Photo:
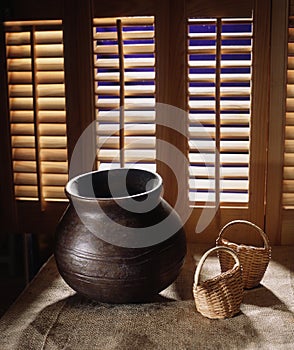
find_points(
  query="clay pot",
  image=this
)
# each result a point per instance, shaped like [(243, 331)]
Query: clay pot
[(119, 241)]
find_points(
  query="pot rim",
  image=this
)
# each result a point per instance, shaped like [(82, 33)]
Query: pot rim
[(69, 192)]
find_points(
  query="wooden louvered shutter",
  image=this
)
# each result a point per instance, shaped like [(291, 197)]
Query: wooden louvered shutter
[(35, 68), (124, 61), (288, 181), (220, 64), (286, 224), (228, 87)]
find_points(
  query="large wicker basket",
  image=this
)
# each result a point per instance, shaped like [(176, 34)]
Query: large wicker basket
[(254, 260), (220, 296)]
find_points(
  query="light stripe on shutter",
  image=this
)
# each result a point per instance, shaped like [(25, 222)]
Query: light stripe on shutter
[(128, 80), (288, 180), (219, 72), (35, 69)]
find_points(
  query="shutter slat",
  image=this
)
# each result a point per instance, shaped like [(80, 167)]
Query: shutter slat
[(54, 167), (54, 192), (225, 159), (225, 49), (226, 172), (55, 50), (26, 192), (16, 38), (52, 116), (54, 103), (130, 155), (24, 166), (112, 103), (206, 184), (129, 90), (288, 173), (288, 186), (135, 129), (20, 51), (226, 133), (126, 21), (50, 77), (288, 199), (289, 159), (23, 154), (145, 62), (19, 77), (228, 198), (25, 179), (136, 117), (45, 154), (19, 64), (49, 37), (50, 64)]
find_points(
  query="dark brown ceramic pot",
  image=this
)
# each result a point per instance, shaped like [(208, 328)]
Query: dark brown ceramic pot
[(118, 240)]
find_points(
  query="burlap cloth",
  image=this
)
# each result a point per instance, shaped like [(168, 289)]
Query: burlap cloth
[(50, 315)]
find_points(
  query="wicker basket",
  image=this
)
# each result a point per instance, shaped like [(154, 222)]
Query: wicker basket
[(220, 296), (254, 260)]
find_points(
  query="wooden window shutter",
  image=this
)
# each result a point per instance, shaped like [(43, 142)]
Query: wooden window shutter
[(288, 179), (220, 60), (228, 88), (124, 61), (35, 68)]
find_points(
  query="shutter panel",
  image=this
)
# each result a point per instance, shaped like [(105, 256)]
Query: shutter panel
[(35, 69), (124, 61), (288, 181), (219, 83)]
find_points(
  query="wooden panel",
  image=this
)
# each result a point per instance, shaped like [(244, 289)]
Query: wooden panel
[(79, 77), (210, 234), (118, 8), (32, 220), (276, 120), (260, 111), (171, 89), (225, 8), (287, 235), (34, 9)]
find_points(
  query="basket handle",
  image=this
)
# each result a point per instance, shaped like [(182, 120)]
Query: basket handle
[(263, 235), (205, 255)]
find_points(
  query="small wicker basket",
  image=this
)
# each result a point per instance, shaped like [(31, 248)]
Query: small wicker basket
[(254, 260), (220, 296)]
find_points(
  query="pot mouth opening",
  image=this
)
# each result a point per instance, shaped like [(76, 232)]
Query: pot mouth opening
[(114, 184)]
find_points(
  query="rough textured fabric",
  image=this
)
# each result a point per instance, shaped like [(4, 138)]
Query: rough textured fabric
[(50, 315)]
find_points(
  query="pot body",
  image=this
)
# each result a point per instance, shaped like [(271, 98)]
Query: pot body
[(109, 253)]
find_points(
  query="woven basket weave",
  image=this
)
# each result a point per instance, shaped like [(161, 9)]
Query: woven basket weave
[(221, 296), (254, 260)]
